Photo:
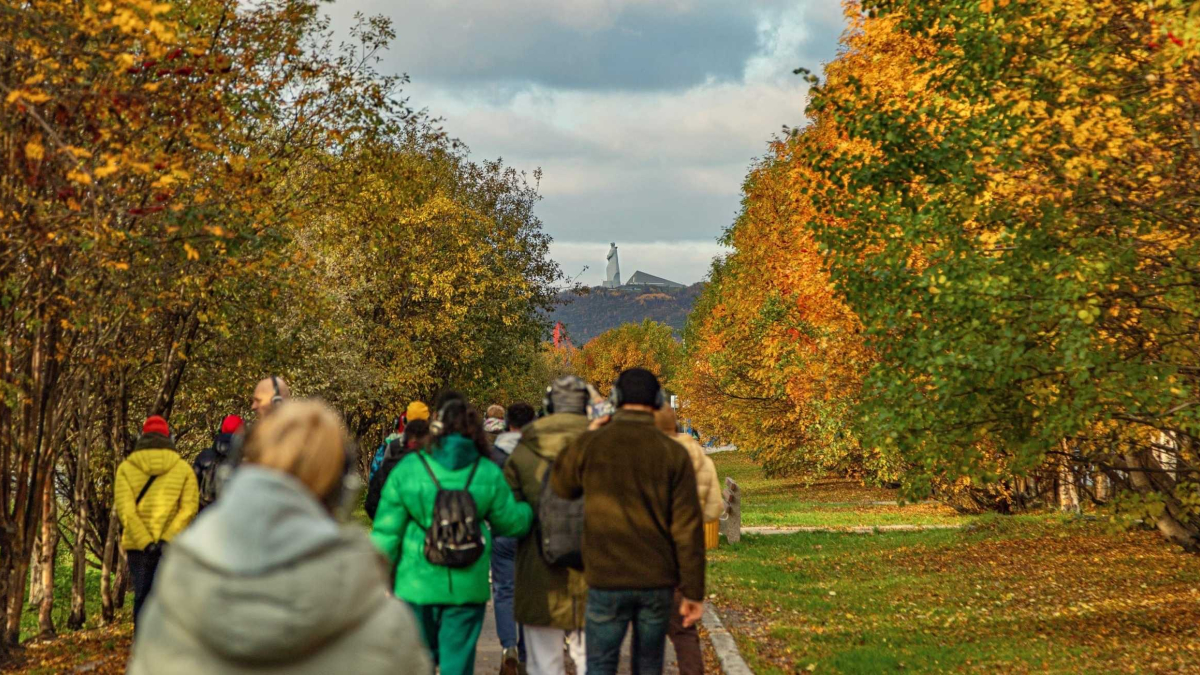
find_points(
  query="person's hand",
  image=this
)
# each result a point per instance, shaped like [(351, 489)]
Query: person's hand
[(691, 611), (599, 422)]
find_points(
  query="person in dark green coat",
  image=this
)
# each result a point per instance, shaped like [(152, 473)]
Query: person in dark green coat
[(550, 601), (449, 603)]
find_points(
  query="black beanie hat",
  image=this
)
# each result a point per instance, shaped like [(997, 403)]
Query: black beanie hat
[(638, 387)]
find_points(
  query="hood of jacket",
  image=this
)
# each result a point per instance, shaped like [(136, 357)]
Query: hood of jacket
[(153, 455), (553, 433), (223, 443), (507, 441), (266, 575), (454, 452)]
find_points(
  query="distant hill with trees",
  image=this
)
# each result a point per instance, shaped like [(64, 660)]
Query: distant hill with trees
[(595, 310)]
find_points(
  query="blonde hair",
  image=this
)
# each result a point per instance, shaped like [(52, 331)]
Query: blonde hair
[(664, 419), (305, 439)]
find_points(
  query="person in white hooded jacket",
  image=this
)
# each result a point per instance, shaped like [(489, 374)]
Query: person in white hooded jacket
[(268, 581)]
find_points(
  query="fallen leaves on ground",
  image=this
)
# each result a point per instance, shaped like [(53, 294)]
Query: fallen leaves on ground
[(102, 651), (1014, 595)]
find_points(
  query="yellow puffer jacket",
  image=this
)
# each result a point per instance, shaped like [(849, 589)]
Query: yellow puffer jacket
[(170, 503)]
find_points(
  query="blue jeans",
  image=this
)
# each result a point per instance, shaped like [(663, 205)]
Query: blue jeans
[(504, 582), (609, 613)]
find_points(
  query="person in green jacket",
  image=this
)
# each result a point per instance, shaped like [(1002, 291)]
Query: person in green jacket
[(449, 602)]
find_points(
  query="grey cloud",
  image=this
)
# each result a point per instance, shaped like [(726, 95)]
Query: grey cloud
[(642, 46), (657, 209), (643, 114)]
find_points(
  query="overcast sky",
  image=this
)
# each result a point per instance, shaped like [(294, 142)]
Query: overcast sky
[(643, 114)]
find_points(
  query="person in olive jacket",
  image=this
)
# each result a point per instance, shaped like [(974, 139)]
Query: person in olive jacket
[(449, 602), (550, 601)]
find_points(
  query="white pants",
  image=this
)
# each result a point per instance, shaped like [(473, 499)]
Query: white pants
[(544, 650)]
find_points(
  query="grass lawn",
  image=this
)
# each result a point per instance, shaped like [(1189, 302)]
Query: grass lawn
[(830, 502), (1026, 594), (62, 596)]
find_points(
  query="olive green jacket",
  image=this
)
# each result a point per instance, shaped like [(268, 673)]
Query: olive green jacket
[(546, 596)]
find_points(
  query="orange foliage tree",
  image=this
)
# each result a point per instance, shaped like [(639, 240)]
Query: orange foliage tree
[(1001, 194), (650, 345)]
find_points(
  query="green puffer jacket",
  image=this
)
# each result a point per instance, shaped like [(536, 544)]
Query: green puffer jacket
[(406, 508), (546, 596)]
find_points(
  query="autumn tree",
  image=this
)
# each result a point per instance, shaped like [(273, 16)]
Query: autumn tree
[(172, 173), (648, 345), (1018, 235), (774, 356)]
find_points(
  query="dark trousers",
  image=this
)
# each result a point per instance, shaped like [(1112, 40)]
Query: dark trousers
[(686, 641), (609, 613), (142, 567), (504, 581)]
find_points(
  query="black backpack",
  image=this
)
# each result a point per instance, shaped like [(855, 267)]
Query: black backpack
[(560, 526), (212, 469), (393, 454), (454, 538)]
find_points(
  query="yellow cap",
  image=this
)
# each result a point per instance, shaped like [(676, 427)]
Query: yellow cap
[(417, 411)]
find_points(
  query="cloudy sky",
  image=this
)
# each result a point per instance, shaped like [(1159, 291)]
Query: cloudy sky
[(643, 114)]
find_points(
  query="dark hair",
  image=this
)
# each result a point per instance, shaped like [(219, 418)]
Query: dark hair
[(446, 396), (519, 414), (459, 417), (416, 429), (639, 387)]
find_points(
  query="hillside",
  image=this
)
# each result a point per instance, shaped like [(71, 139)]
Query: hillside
[(598, 309)]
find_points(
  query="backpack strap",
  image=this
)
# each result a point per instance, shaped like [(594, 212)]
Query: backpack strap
[(471, 476), (428, 470), (145, 488)]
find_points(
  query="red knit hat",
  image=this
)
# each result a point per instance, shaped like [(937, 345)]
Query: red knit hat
[(156, 425), (231, 424)]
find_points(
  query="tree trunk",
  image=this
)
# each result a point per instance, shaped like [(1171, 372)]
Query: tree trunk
[(79, 554), (16, 601), (1173, 523), (35, 574), (1103, 486), (46, 563), (108, 565), (122, 581), (1068, 496)]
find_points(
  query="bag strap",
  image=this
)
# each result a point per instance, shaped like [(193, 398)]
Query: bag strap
[(471, 476), (428, 470), (145, 488)]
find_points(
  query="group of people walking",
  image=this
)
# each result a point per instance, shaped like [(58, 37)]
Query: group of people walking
[(580, 523)]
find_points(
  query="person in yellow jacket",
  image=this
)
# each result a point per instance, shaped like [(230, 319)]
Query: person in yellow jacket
[(156, 496)]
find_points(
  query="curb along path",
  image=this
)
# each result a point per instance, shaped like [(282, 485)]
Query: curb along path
[(724, 644)]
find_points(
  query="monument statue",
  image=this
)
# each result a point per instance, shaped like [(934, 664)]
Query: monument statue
[(613, 276)]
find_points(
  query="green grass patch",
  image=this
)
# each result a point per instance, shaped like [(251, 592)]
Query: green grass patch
[(829, 502), (1037, 593), (63, 570)]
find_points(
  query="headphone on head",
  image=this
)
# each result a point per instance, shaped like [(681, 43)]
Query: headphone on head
[(342, 499), (278, 397), (617, 397), (436, 426)]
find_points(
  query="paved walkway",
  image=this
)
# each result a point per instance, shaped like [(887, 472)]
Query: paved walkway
[(488, 653)]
